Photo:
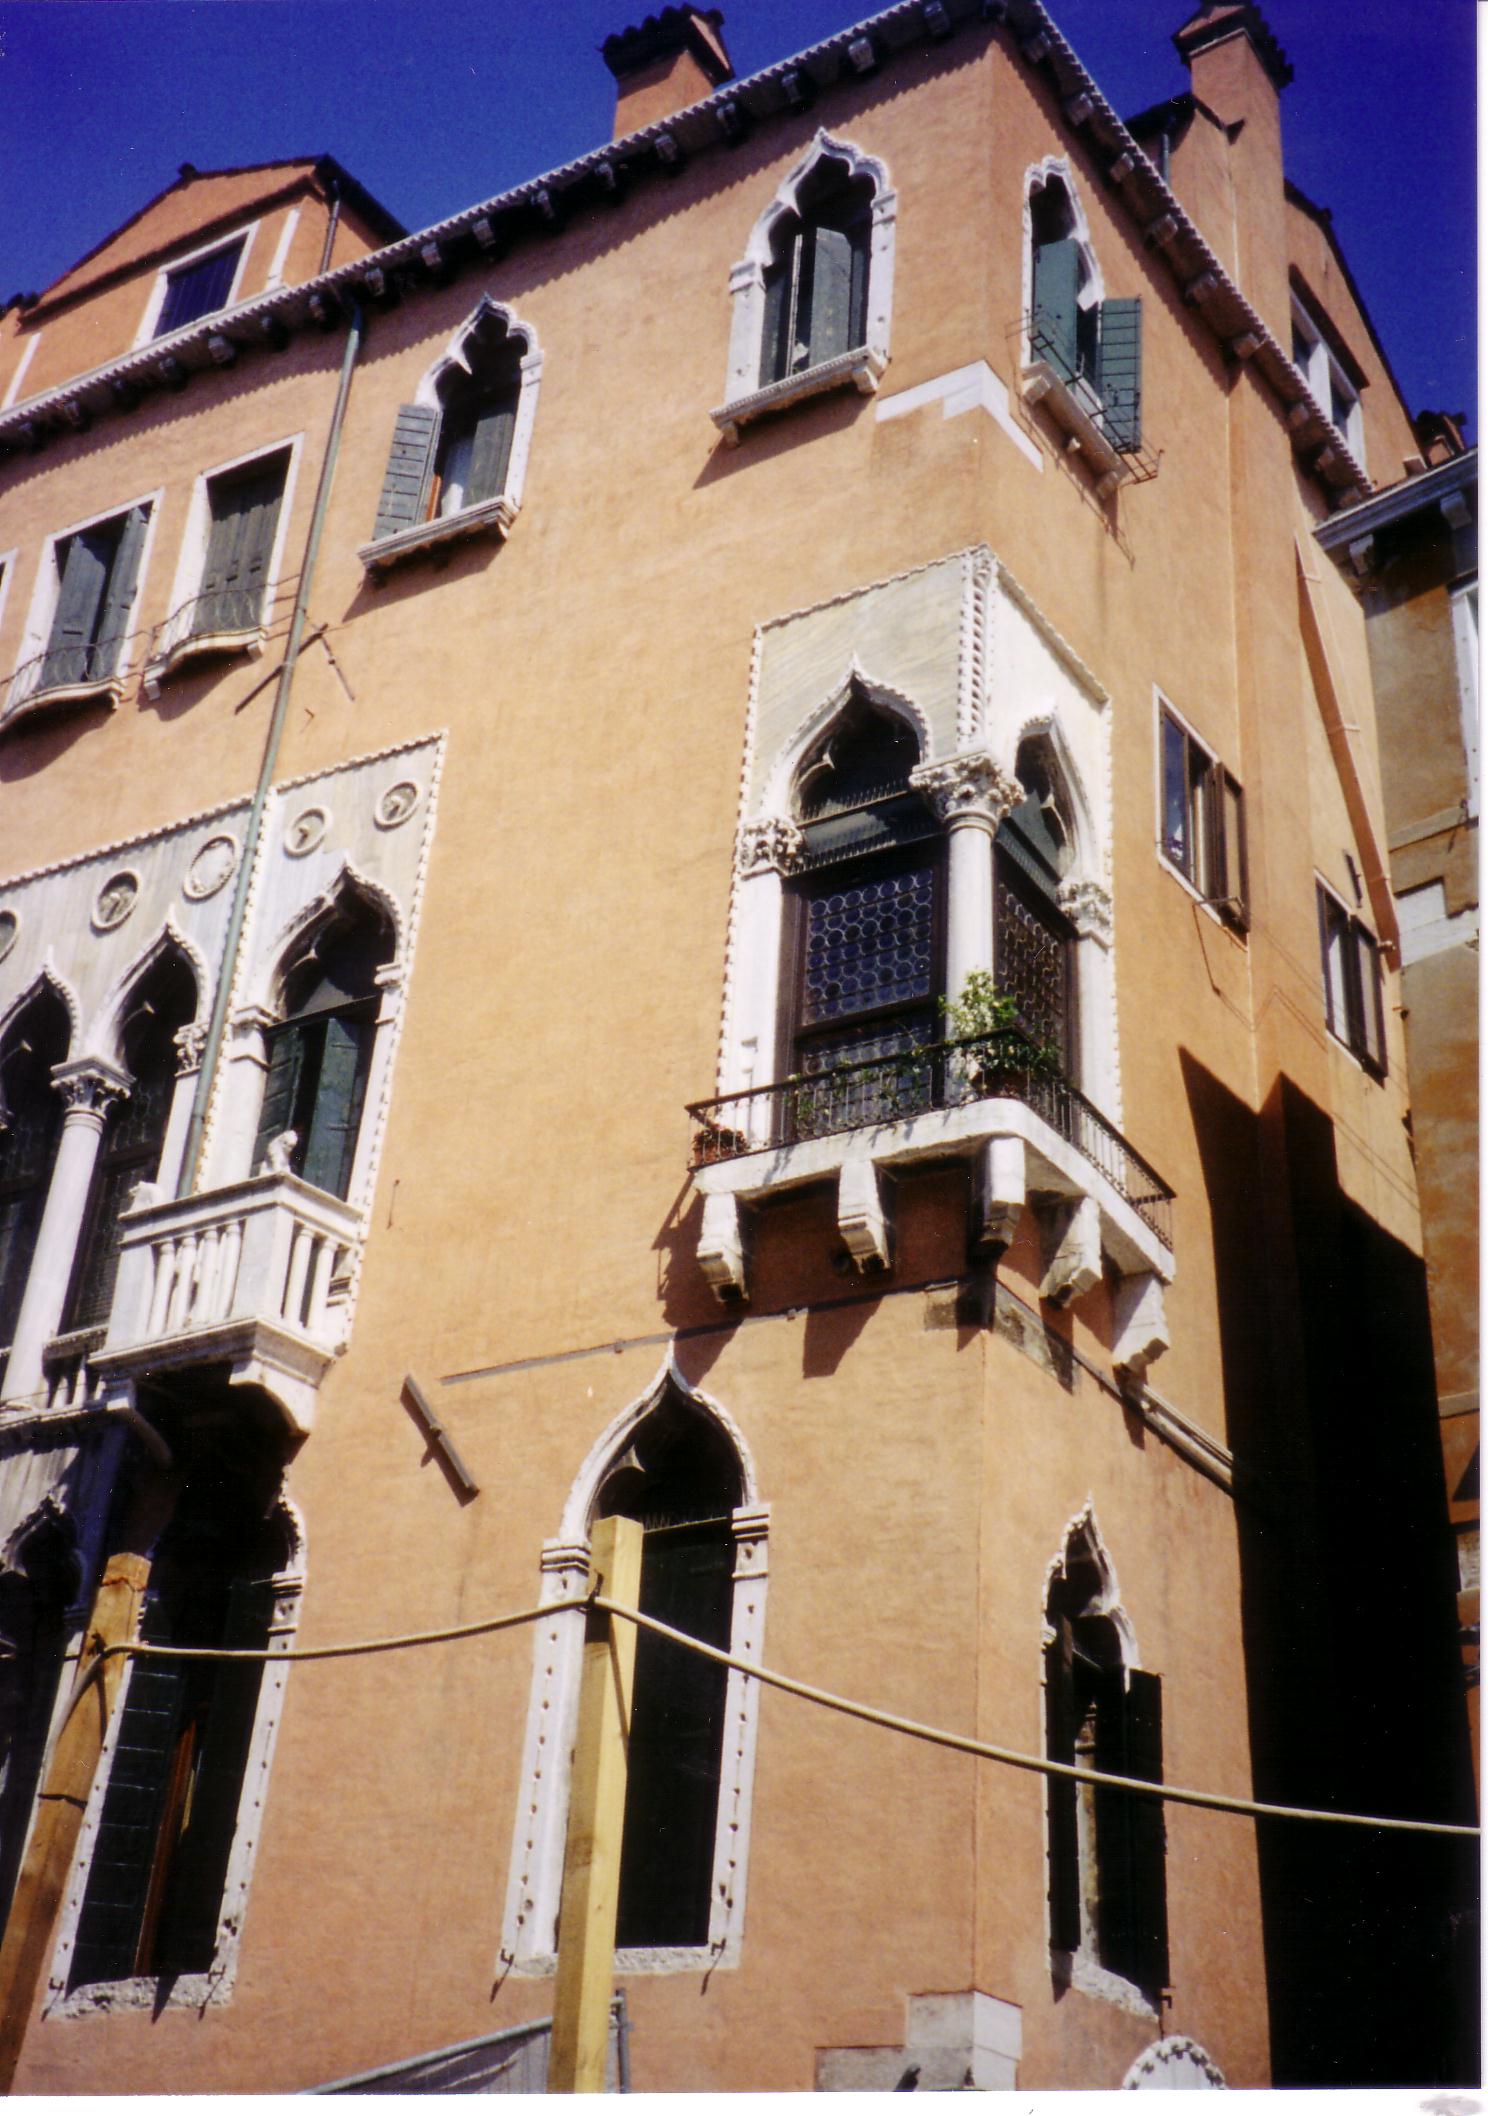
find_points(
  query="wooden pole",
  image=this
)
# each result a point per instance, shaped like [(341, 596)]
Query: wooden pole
[(61, 1805), (596, 1816)]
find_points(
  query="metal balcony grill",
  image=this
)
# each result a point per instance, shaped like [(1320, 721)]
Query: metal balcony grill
[(892, 1089)]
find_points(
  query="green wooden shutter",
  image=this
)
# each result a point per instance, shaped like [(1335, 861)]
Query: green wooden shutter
[(1059, 1740), (1147, 1834), (490, 449), (118, 601), (828, 330), (1119, 379), (124, 1850), (774, 350), (404, 498), (281, 1088), (245, 515), (337, 1114), (85, 572), (1056, 308)]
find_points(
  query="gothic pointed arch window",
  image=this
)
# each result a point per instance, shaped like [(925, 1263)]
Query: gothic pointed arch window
[(320, 1054), (865, 917), (1090, 344), (30, 1123), (816, 283), (1034, 946), (679, 1478), (162, 1871), (459, 449), (134, 1132), (1108, 1920)]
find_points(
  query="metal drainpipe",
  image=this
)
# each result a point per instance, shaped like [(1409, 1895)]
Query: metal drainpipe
[(331, 226), (186, 1185)]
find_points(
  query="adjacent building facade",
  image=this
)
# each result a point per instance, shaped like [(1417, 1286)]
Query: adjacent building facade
[(710, 843)]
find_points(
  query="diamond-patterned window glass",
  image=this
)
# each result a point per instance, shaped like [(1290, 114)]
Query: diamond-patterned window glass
[(869, 944), (1032, 949)]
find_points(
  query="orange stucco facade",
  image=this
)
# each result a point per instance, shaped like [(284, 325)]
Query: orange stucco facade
[(929, 1429)]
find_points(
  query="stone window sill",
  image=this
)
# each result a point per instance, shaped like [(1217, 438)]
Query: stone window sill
[(200, 646), (1075, 408), (488, 518), (109, 688), (859, 369)]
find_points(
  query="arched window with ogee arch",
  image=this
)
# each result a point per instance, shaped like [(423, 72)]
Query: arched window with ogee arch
[(30, 1124), (816, 284), (679, 1478), (320, 1054), (865, 919), (134, 1132)]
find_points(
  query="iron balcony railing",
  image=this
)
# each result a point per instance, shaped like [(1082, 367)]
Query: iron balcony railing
[(924, 1077)]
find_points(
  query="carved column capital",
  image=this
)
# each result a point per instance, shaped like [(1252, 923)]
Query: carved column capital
[(91, 1085), (775, 842), (969, 788), (1087, 906), (191, 1042)]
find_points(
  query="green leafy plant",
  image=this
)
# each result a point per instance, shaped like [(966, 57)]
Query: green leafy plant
[(981, 1015)]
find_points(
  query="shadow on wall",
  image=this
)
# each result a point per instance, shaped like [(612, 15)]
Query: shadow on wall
[(1355, 1692)]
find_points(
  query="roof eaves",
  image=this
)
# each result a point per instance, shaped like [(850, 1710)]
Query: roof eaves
[(1427, 489)]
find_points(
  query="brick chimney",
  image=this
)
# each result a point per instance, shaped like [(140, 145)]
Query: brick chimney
[(1238, 71), (671, 59)]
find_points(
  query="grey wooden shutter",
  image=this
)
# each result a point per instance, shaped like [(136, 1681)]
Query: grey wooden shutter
[(404, 498), (828, 331), (85, 571), (337, 1114), (774, 346), (281, 1088), (1119, 381), (1059, 1740), (245, 515), (124, 1851), (118, 601), (1115, 1824), (1147, 1836), (490, 449), (1056, 307), (1371, 1000)]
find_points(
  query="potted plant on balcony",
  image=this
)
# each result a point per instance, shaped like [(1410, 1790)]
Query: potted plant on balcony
[(984, 1023)]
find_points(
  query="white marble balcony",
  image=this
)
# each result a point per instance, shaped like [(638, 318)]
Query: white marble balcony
[(254, 1276)]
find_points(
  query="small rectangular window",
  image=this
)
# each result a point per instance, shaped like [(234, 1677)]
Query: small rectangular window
[(1353, 988), (199, 288), (1203, 823)]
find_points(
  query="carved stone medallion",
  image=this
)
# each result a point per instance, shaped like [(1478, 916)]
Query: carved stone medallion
[(396, 804), (115, 900), (211, 865), (306, 832), (10, 926)]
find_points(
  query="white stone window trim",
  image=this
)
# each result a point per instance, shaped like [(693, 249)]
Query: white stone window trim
[(25, 692), (745, 396), (1164, 708), (1335, 1042), (155, 302), (1464, 601), (1093, 288), (28, 354), (1179, 2056), (500, 511), (535, 1880), (280, 257), (1079, 1969), (174, 642), (214, 1986), (1326, 377)]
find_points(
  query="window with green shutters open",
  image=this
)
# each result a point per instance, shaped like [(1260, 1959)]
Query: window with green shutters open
[(1087, 346), (82, 617), (459, 449), (320, 1055), (244, 508), (1108, 1918)]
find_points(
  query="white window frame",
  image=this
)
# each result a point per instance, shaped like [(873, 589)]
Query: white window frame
[(28, 354), (1093, 290), (499, 510), (1464, 600), (45, 591), (1380, 1074), (214, 1986), (173, 643), (145, 335), (746, 397), (535, 1879), (1324, 375)]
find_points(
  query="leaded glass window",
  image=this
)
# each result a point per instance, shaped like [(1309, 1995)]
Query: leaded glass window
[(30, 1121)]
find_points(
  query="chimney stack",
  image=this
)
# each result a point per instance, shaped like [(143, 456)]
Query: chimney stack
[(1228, 49), (1238, 71), (670, 60)]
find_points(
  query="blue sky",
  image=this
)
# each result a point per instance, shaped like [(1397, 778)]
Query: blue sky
[(436, 103)]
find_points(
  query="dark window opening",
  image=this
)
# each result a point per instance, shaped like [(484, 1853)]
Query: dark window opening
[(97, 570), (1096, 344), (1353, 987), (477, 422), (1107, 1848), (134, 1134), (153, 1898), (30, 1124), (199, 288), (244, 507), (38, 1584), (1203, 823), (816, 285), (320, 1055), (680, 1478), (1033, 941)]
